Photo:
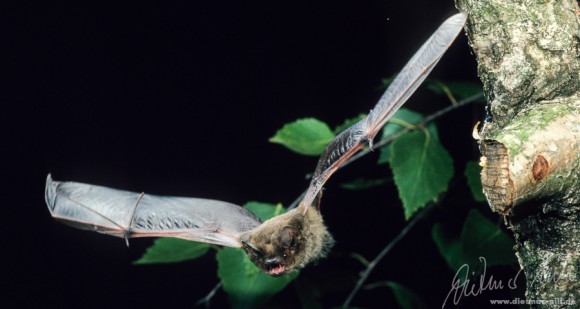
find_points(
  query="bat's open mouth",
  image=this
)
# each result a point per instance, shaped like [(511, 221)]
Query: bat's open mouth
[(277, 270)]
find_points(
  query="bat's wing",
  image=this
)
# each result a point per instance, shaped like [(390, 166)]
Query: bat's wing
[(128, 214), (411, 76)]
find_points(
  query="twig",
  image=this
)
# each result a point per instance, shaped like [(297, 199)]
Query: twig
[(391, 138), (425, 121), (205, 300), (364, 275), (297, 200)]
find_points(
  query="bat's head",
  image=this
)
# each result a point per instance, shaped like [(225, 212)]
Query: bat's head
[(288, 242)]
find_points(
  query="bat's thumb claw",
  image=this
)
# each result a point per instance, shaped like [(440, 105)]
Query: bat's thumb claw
[(369, 142)]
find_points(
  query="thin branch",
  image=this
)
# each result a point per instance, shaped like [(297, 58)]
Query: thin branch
[(364, 275), (425, 121), (391, 138), (205, 300), (297, 200)]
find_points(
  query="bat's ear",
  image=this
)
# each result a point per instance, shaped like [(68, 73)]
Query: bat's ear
[(246, 245), (287, 237), (252, 251)]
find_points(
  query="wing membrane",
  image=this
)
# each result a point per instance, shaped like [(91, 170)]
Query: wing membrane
[(129, 214), (411, 76)]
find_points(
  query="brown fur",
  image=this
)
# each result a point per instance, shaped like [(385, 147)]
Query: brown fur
[(289, 241)]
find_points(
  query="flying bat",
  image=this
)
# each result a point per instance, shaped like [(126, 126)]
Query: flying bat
[(280, 245)]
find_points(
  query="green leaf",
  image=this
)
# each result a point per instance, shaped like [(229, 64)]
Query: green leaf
[(348, 123), (449, 247), (395, 125), (473, 174), (422, 169), (307, 136), (481, 237), (245, 284), (406, 298), (363, 183), (172, 250), (461, 90), (264, 211)]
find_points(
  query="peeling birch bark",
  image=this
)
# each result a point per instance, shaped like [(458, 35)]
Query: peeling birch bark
[(531, 157), (528, 55)]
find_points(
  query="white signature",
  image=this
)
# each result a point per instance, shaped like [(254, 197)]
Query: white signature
[(462, 286), (468, 288)]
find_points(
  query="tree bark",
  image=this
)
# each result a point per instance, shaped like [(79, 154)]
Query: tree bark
[(528, 55)]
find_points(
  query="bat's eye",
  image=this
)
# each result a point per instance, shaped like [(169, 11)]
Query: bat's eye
[(284, 255)]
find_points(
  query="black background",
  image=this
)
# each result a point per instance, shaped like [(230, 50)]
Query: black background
[(180, 98)]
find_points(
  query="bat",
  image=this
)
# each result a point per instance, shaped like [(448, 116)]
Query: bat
[(277, 246)]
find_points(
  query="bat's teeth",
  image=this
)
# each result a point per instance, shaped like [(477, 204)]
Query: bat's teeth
[(277, 270)]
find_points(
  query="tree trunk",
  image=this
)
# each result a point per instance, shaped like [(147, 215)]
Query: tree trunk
[(528, 55)]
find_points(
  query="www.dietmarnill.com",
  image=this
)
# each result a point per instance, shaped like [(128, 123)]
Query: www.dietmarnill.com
[(518, 301)]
